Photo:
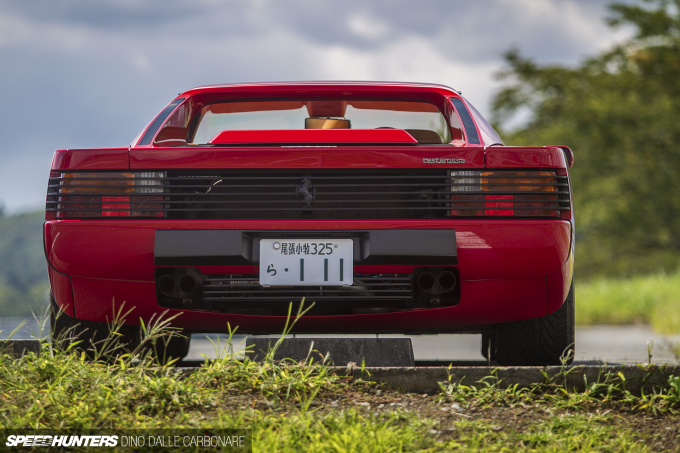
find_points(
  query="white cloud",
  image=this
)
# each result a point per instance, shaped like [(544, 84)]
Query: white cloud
[(412, 59), (566, 17), (366, 26)]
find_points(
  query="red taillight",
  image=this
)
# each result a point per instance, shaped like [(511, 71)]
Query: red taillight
[(122, 206), (533, 193), (536, 201), (498, 204), (109, 209), (105, 194), (79, 206), (562, 172), (50, 212)]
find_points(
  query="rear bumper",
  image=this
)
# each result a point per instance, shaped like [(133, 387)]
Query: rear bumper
[(509, 269), (242, 247)]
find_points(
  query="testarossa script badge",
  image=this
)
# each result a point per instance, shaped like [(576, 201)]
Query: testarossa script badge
[(443, 161)]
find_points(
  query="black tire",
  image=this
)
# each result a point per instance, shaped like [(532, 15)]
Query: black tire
[(175, 347), (66, 330), (544, 341)]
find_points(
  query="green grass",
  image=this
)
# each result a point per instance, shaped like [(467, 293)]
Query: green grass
[(288, 407), (653, 299), (291, 407)]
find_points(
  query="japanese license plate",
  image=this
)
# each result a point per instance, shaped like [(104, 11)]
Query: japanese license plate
[(306, 262)]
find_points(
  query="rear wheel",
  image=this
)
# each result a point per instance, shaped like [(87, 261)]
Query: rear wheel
[(92, 336), (548, 340), (170, 348)]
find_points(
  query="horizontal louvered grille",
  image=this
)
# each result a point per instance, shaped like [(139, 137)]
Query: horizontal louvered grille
[(226, 292), (343, 194), (298, 194), (517, 193)]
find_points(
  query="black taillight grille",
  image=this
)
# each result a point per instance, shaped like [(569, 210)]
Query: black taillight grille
[(106, 194), (509, 193), (284, 194), (310, 194)]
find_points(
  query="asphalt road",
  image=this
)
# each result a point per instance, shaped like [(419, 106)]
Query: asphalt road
[(611, 344)]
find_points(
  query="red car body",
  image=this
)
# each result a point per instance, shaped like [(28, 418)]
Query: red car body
[(507, 267)]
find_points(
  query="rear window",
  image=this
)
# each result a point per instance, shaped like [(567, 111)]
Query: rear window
[(423, 120)]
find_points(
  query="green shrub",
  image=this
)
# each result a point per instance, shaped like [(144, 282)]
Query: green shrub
[(653, 299)]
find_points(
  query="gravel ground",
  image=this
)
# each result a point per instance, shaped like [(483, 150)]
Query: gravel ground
[(659, 433)]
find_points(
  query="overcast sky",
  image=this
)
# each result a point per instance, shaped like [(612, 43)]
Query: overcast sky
[(83, 73)]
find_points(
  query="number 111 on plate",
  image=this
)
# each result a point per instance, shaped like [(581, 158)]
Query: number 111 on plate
[(306, 262)]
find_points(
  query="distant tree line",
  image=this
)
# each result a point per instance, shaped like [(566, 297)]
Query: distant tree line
[(23, 272), (620, 113)]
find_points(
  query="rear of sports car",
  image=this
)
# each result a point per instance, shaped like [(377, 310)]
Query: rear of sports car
[(393, 208)]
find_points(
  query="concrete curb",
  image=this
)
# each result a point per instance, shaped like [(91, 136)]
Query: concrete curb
[(577, 378), (426, 379), (19, 348), (634, 378), (374, 352)]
